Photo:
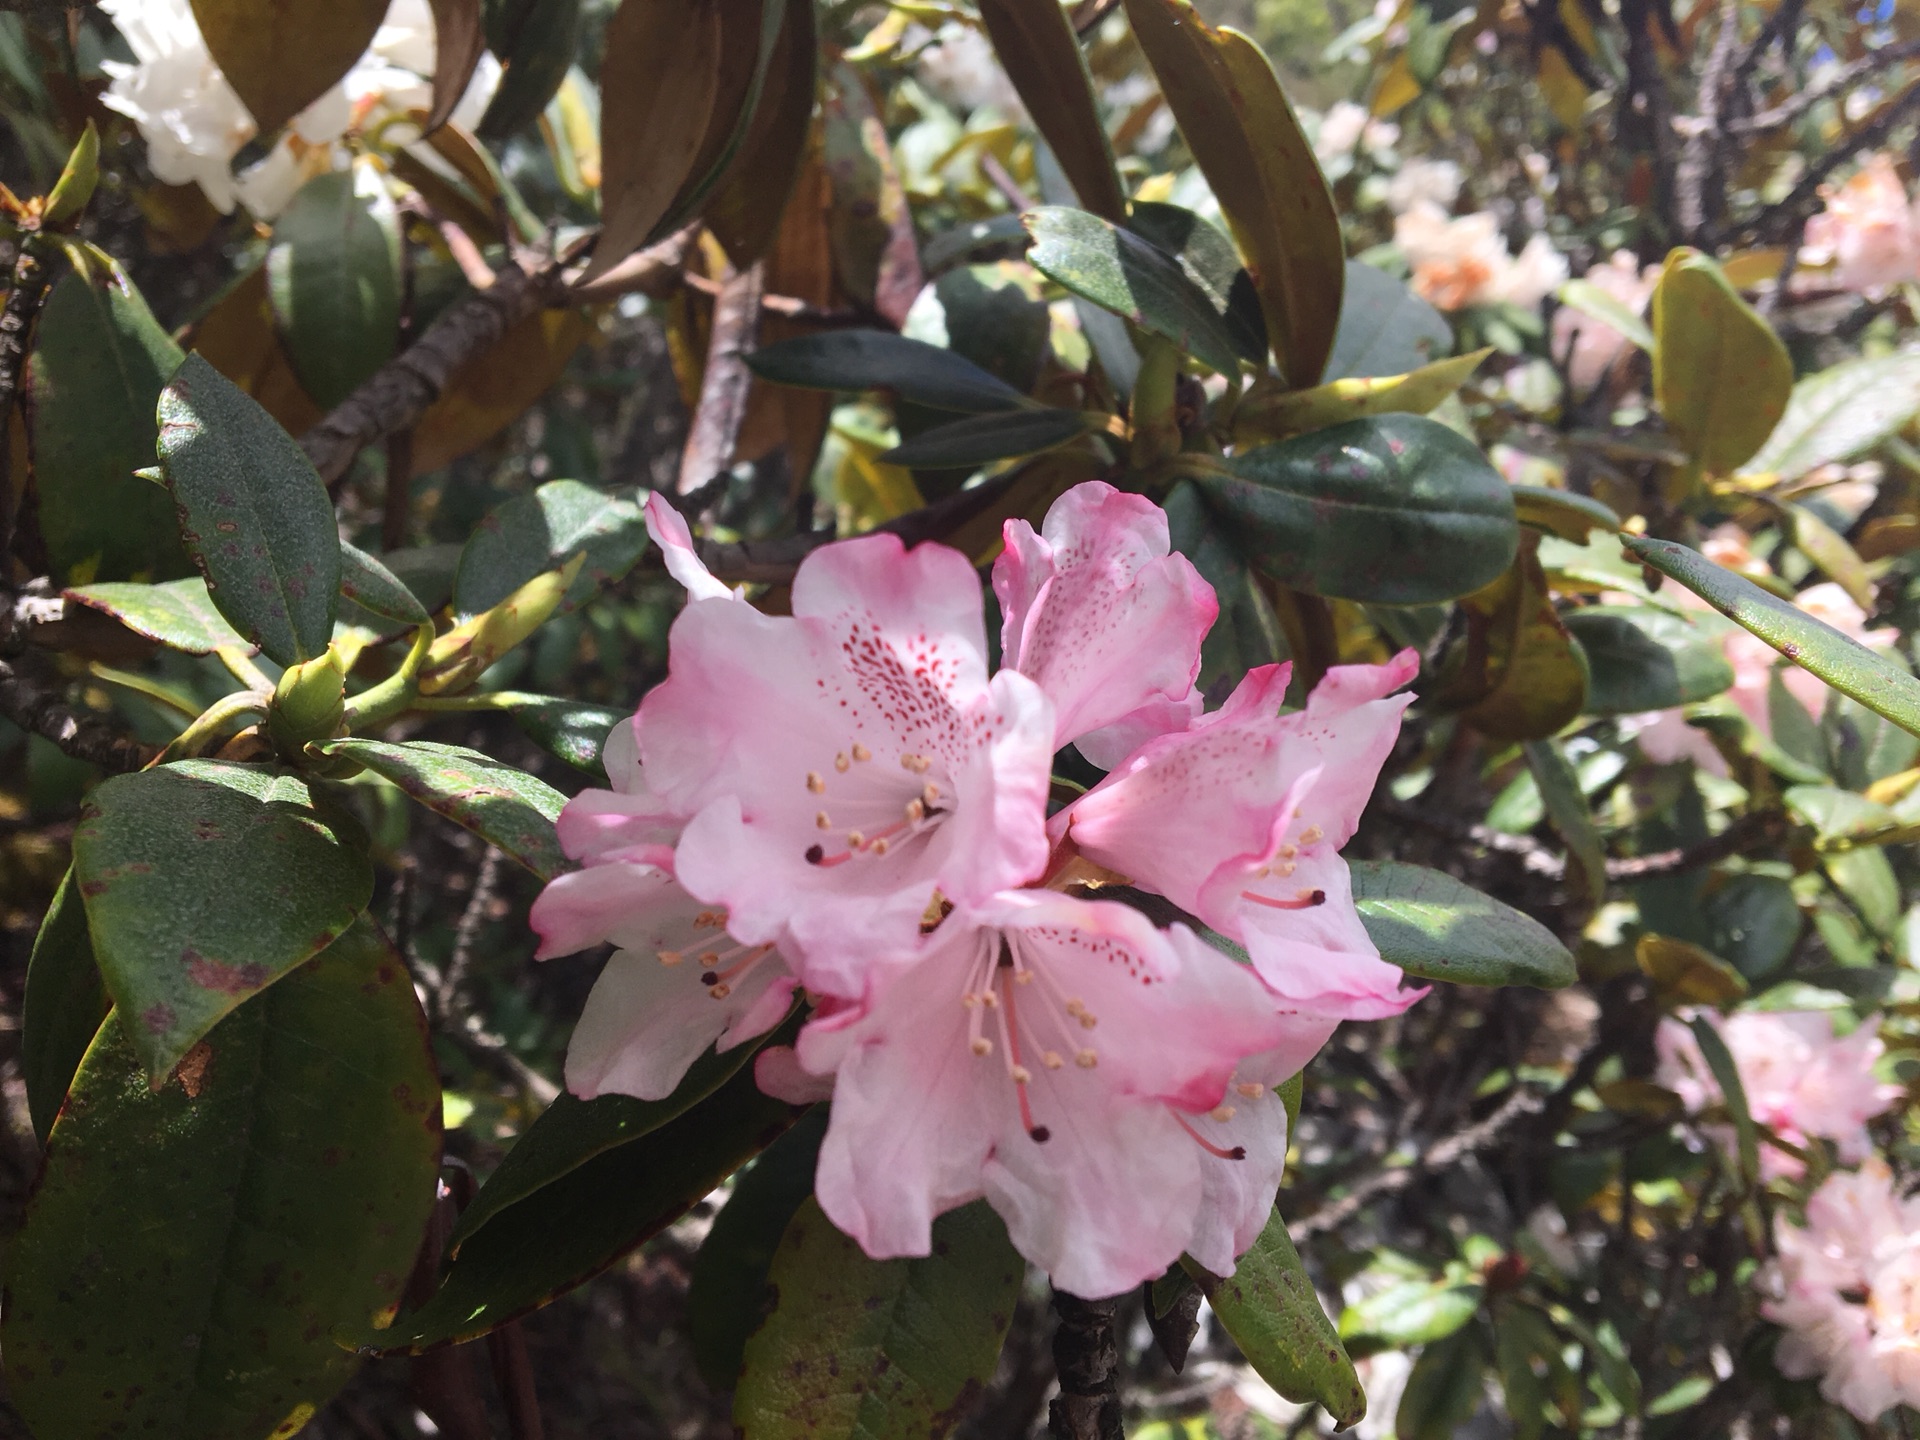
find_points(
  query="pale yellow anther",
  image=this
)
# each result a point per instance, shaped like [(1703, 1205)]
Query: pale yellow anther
[(969, 1000), (709, 959), (1311, 835), (860, 752), (989, 999), (720, 991), (1285, 868), (1021, 1075), (1287, 852), (1306, 894), (916, 811), (1086, 1059), (1052, 1060), (1250, 1091), (982, 1045), (856, 838), (840, 763), (906, 760), (1087, 1022), (816, 782), (1222, 1113), (880, 846), (670, 957), (822, 821), (1076, 1008), (930, 794), (1023, 977)]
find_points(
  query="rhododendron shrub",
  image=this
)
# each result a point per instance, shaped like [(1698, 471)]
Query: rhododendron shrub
[(824, 722)]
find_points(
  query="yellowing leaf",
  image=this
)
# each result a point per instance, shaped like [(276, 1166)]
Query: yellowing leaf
[(1566, 95), (1720, 375), (1684, 974), (1249, 145), (490, 391), (1398, 88), (1271, 411), (1042, 57)]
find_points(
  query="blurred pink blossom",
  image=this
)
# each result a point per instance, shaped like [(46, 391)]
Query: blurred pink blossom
[(1869, 234), (1592, 345), (1461, 261)]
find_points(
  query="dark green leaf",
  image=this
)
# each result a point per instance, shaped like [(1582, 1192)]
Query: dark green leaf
[(253, 512), (571, 730), (1038, 49), (1837, 413), (565, 1233), (879, 360), (980, 439), (1566, 807), (1247, 632), (1640, 658), (99, 362), (333, 275), (542, 531), (1394, 509), (1269, 1308), (994, 315), (205, 882), (1414, 1312), (1727, 1076), (728, 1297), (572, 1132), (1561, 512), (1756, 922), (1128, 275), (368, 583), (1431, 925), (536, 41), (1207, 258), (65, 1002), (1841, 661), (178, 614), (503, 806), (1385, 329), (1446, 1386), (190, 1248), (860, 1349)]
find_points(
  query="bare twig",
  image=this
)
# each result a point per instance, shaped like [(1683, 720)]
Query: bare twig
[(1845, 78), (723, 387), (1086, 1353), (1780, 217), (38, 709), (513, 1373), (452, 992), (26, 292), (1696, 177), (396, 512)]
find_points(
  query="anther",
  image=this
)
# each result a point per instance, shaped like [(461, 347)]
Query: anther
[(982, 1045), (969, 1000), (916, 811), (709, 957), (1287, 852), (1023, 977), (840, 762), (1087, 1022), (1051, 1059), (670, 957), (989, 999), (879, 847), (1311, 835), (1222, 1113), (860, 752), (816, 782), (930, 794), (1249, 1090), (721, 990), (1021, 1075), (822, 821), (1086, 1060), (856, 838), (1041, 1134)]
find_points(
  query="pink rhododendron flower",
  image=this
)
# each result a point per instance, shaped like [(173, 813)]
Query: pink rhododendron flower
[(1062, 1058), (1239, 820), (669, 531), (1868, 233), (841, 765), (1847, 1289), (1592, 346), (1462, 261), (1097, 612), (1802, 1082), (1755, 662)]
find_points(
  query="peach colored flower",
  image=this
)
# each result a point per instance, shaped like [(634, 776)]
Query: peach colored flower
[(1461, 261), (1869, 234)]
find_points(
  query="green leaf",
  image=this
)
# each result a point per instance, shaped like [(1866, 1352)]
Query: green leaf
[(189, 1249), (1037, 48), (1396, 509), (1640, 659), (565, 1233), (1433, 926), (856, 360), (253, 512), (1268, 1306), (1841, 661), (1207, 258), (542, 531), (1122, 272), (536, 41), (1414, 1312), (204, 883), (728, 1296), (1561, 512), (1589, 299), (572, 1132), (860, 1349), (980, 439), (1385, 329), (1756, 922), (178, 614), (78, 177), (572, 730), (64, 1003), (1247, 632), (503, 806), (99, 362), (1720, 375), (280, 60), (1567, 808), (368, 583), (1840, 412), (1727, 1076), (333, 276), (1447, 1385)]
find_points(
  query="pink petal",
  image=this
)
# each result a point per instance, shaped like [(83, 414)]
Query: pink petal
[(1096, 609), (585, 907), (1108, 747), (669, 531), (779, 1073), (596, 824)]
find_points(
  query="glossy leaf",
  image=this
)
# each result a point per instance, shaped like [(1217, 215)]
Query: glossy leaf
[(333, 274), (727, 1295), (1841, 661), (980, 439), (859, 1349), (1434, 927), (274, 1187), (1207, 258), (658, 84), (1720, 375), (1268, 1306), (1566, 806), (459, 40), (280, 59), (1259, 163), (1447, 1384), (1840, 412), (1385, 329), (566, 1232), (368, 583), (1270, 409), (1733, 1094), (536, 41), (1247, 632), (1412, 1312), (1128, 275), (543, 530), (855, 360), (205, 882), (178, 614), (572, 730), (1037, 48), (1561, 512), (1640, 659), (1398, 510), (99, 362), (745, 210), (254, 514), (1590, 300), (503, 806), (64, 1003)]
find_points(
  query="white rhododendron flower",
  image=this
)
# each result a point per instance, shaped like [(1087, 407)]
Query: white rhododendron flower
[(1463, 260)]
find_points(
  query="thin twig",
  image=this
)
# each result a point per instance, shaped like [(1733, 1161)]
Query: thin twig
[(452, 992), (1776, 219), (396, 514), (734, 334), (1696, 177), (26, 293), (513, 1373), (1086, 1354), (1845, 78), (38, 708)]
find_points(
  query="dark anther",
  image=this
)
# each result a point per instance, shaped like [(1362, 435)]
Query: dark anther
[(709, 977), (1239, 1152), (1041, 1134), (815, 854)]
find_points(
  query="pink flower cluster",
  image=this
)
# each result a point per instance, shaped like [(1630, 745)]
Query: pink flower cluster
[(843, 802), (1847, 1289), (1801, 1080), (1868, 233)]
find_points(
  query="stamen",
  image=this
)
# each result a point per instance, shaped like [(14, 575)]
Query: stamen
[(1051, 1059), (1238, 1152), (918, 764), (1022, 1075), (709, 958), (1311, 835), (721, 990), (1306, 900), (1087, 1060), (916, 811), (816, 782), (840, 762), (1249, 1090), (860, 752), (930, 794), (879, 847), (982, 1045), (822, 821), (670, 957), (1010, 1032), (1287, 852), (1222, 1113), (1023, 977)]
